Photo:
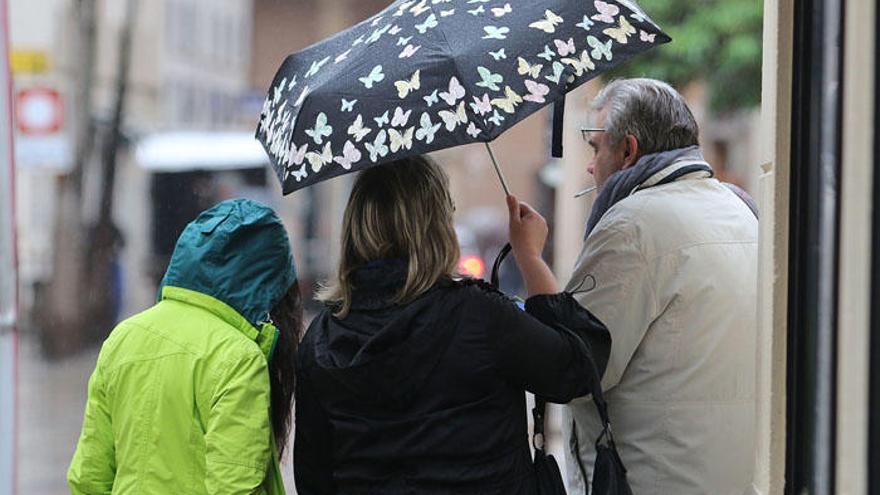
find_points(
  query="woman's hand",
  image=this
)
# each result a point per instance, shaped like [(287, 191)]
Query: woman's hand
[(528, 230), (528, 234)]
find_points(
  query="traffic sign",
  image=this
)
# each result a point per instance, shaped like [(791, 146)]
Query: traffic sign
[(39, 111)]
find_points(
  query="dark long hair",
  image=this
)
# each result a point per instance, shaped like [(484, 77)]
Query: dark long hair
[(287, 316)]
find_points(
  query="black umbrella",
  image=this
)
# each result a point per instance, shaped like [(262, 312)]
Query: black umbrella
[(425, 75)]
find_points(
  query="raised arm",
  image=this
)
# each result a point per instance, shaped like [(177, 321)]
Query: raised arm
[(558, 350)]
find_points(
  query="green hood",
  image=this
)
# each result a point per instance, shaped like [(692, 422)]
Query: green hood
[(236, 252)]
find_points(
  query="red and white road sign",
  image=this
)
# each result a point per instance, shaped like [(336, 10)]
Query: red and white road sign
[(39, 111)]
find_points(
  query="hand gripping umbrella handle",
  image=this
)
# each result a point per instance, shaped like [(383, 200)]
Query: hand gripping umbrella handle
[(498, 171)]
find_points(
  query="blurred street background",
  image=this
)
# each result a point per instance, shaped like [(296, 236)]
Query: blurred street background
[(131, 116)]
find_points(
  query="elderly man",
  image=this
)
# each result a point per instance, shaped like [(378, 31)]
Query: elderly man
[(669, 266)]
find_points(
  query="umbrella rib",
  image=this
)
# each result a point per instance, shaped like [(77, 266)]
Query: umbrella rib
[(458, 73)]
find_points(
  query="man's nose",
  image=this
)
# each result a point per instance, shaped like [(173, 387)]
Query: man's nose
[(590, 170)]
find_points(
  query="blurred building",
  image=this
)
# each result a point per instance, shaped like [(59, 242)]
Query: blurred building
[(190, 66)]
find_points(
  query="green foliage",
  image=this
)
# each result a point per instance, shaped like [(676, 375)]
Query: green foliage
[(718, 41)]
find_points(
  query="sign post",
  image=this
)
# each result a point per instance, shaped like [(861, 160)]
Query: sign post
[(8, 263)]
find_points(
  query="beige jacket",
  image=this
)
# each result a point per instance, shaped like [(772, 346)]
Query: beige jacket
[(672, 272)]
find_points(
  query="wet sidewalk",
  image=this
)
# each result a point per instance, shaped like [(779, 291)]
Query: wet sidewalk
[(51, 399)]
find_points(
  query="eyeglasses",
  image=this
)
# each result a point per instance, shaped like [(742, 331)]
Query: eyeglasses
[(585, 131)]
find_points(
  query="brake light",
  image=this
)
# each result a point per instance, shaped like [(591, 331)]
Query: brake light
[(472, 266)]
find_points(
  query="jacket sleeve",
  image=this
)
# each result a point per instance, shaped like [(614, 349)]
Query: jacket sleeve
[(312, 455), (238, 432), (556, 351), (613, 281), (93, 468)]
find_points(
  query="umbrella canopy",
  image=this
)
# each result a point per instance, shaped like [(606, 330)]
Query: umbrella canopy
[(425, 75)]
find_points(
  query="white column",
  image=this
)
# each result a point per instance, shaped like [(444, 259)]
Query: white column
[(773, 251), (571, 214), (855, 248), (8, 271)]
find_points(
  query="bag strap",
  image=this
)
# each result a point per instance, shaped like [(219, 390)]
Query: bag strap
[(539, 411), (496, 266)]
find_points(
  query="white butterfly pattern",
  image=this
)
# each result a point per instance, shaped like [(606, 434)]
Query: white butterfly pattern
[(350, 156), (481, 106), (556, 77), (378, 148), (473, 131), (405, 87), (400, 117), (342, 56), (318, 160), (549, 23), (430, 23), (420, 8), (547, 54), (606, 13), (432, 98), (499, 55), (537, 91), (321, 130), (496, 33), (496, 119), (455, 93), (409, 51), (357, 129), (401, 140), (383, 119), (427, 130), (502, 11), (580, 65), (600, 49), (348, 106), (316, 66), (375, 76), (454, 119), (586, 24), (298, 155), (565, 48)]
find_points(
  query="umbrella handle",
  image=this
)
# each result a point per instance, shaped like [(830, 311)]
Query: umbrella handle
[(498, 171)]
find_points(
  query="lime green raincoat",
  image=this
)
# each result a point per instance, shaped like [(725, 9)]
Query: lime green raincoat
[(179, 400)]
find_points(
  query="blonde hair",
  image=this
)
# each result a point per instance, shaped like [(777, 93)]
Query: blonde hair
[(399, 210)]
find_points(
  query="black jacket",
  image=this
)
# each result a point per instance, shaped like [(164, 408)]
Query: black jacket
[(428, 398)]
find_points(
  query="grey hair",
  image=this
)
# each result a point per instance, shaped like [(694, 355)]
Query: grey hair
[(651, 110)]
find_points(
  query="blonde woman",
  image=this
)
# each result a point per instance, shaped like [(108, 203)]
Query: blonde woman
[(412, 380)]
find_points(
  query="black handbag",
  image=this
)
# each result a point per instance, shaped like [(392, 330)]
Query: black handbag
[(609, 473), (548, 478)]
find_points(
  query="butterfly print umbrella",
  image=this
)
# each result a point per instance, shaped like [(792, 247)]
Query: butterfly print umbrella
[(425, 75)]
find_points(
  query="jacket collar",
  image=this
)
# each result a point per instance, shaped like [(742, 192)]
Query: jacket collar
[(649, 171), (266, 337), (376, 284)]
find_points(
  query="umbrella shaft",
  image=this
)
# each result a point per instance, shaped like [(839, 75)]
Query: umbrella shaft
[(498, 171)]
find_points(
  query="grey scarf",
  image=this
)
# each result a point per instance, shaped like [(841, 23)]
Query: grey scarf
[(651, 170)]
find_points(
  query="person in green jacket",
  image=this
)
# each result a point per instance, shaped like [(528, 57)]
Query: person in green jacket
[(193, 396)]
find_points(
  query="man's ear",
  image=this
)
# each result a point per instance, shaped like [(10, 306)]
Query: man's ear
[(630, 151)]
